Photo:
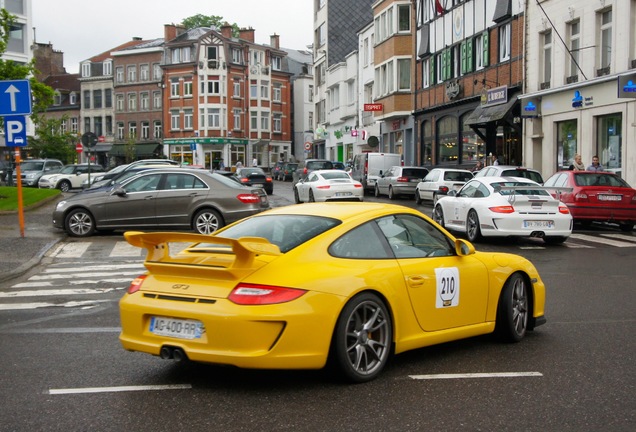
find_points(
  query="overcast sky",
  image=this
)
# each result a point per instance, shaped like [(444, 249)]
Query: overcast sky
[(84, 28)]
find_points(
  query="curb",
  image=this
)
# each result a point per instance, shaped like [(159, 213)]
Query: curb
[(28, 265)]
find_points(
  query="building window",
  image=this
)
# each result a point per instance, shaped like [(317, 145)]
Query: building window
[(176, 56), (187, 89), (277, 63), (132, 130), (447, 148), (574, 34), (72, 98), (277, 123), (109, 125), (321, 35), (86, 70), (57, 98), (265, 121), (97, 98), (185, 54), (253, 90), (145, 130), (264, 89), (404, 18), (237, 118), (144, 101), (74, 125), (473, 148), (174, 87), (605, 46), (108, 98), (156, 99), (63, 126), (187, 119), (120, 131), (158, 132), (214, 87), (504, 42), (236, 88), (213, 53), (609, 147), (277, 93), (87, 124), (547, 57), (119, 74), (107, 68), (404, 74), (426, 64), (119, 102), (174, 120), (237, 56), (566, 143), (87, 99), (310, 94), (132, 73), (253, 121), (132, 101), (481, 50), (214, 118), (310, 120)]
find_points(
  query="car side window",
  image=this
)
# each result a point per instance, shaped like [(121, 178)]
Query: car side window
[(469, 189), (144, 183), (364, 242), (413, 237)]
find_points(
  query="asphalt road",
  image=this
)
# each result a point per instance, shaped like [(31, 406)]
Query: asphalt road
[(63, 368)]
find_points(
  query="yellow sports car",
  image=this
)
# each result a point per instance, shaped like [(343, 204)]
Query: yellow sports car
[(296, 286)]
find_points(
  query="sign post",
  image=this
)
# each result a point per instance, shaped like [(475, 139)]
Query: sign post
[(15, 105)]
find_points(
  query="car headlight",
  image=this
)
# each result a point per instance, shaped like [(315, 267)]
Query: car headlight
[(60, 205), (31, 175)]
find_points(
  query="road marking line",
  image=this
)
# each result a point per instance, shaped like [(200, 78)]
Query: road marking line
[(52, 276), (88, 304), (620, 237), (55, 292), (477, 375), (577, 245), (54, 269), (605, 241), (42, 284), (72, 250), (64, 330), (119, 389), (125, 249)]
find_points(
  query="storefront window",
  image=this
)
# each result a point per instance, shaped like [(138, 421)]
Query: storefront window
[(448, 148), (427, 144), (566, 143), (608, 142), (473, 147)]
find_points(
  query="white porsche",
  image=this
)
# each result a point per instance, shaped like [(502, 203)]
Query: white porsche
[(328, 185), (504, 207)]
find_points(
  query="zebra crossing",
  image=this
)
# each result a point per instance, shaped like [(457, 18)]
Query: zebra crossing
[(90, 274)]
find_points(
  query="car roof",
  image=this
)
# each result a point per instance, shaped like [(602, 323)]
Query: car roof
[(342, 210), (488, 180)]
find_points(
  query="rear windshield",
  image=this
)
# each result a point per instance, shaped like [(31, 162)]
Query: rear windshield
[(335, 174), (532, 175), (457, 176), (599, 179), (524, 189), (319, 165), (414, 172), (285, 231)]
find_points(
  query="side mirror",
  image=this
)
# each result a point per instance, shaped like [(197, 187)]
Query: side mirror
[(464, 247), (119, 191)]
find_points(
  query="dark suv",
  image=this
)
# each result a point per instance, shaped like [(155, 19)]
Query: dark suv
[(310, 165)]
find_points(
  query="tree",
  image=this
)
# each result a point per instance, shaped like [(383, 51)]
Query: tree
[(51, 142), (130, 149), (200, 20)]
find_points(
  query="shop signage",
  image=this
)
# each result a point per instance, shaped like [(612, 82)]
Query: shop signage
[(531, 108), (579, 101), (373, 107), (627, 86), (452, 89), (496, 96), (195, 140)]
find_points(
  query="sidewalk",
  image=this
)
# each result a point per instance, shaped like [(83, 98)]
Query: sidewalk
[(19, 254)]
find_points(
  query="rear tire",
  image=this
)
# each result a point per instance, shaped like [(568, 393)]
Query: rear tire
[(418, 199), (438, 215), (311, 196), (376, 191), (513, 310), (626, 227), (207, 221), (391, 194), (473, 230)]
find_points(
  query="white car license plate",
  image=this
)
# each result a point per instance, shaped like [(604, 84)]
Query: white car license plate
[(610, 197), (538, 224), (177, 328), (343, 194)]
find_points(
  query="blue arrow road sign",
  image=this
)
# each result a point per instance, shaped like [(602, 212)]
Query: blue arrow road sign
[(15, 98), (15, 131)]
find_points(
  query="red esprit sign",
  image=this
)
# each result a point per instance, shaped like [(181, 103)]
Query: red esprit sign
[(373, 107)]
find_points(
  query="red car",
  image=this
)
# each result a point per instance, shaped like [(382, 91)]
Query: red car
[(596, 196)]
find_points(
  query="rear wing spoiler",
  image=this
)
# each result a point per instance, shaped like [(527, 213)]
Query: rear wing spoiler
[(531, 187), (245, 249)]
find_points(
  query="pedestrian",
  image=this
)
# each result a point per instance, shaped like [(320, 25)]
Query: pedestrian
[(495, 161), (577, 165), (596, 166), (239, 164), (254, 162), (221, 165), (478, 166)]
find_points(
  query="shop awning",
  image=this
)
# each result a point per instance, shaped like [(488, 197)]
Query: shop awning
[(102, 147), (486, 114), (152, 149)]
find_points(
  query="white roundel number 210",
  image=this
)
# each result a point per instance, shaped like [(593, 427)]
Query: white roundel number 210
[(447, 287)]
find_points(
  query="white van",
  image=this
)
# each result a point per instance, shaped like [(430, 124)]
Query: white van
[(367, 166)]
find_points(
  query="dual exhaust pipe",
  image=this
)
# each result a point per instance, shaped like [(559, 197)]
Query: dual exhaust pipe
[(538, 234), (173, 353)]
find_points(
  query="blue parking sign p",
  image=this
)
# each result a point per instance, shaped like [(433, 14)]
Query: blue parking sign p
[(15, 131)]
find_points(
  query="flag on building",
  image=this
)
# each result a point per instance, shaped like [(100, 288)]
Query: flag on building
[(438, 7)]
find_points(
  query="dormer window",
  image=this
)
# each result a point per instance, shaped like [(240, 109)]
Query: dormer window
[(86, 70), (72, 98), (277, 63), (57, 98), (108, 68)]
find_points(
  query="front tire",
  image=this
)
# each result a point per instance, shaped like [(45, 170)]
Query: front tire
[(418, 198), (296, 196), (473, 231), (363, 338), (207, 221), (311, 196), (438, 215), (65, 186), (376, 191), (80, 223), (391, 194), (513, 310)]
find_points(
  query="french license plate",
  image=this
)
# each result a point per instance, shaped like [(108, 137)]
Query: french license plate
[(610, 197), (176, 328), (538, 224), (343, 194)]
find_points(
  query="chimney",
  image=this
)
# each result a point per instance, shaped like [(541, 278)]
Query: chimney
[(247, 34), (136, 38), (171, 31), (226, 30), (274, 41)]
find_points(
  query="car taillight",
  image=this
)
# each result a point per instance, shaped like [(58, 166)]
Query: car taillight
[(323, 187), (502, 209), (580, 196), (305, 171), (248, 198), (247, 294), (403, 179), (564, 209), (135, 285), (443, 189), (357, 185), (268, 179)]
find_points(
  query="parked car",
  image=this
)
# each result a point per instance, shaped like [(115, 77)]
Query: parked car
[(328, 185), (390, 280), (173, 198), (366, 167), (596, 196), (123, 175), (70, 177), (399, 180), (253, 176), (338, 165), (6, 169), (118, 169), (32, 169), (510, 171), (439, 181), (287, 171), (504, 207), (310, 165)]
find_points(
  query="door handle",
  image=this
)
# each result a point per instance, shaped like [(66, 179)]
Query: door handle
[(417, 281)]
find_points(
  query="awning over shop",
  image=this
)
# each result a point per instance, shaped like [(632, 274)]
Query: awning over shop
[(102, 148), (486, 114), (141, 150)]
